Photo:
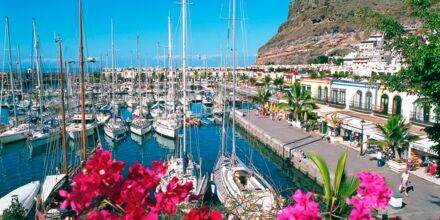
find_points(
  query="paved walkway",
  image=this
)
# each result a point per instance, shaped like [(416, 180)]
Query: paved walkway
[(423, 203)]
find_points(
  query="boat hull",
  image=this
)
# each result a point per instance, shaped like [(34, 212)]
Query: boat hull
[(10, 138), (140, 130)]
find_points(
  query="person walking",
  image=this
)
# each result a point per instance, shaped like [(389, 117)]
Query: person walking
[(379, 158), (404, 182)]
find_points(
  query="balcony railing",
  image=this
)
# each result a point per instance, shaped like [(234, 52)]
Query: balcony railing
[(336, 103), (360, 107), (320, 99), (420, 119)]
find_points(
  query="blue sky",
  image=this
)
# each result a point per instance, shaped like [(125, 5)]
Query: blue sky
[(148, 18)]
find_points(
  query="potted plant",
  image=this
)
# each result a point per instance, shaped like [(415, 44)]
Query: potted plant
[(396, 137)]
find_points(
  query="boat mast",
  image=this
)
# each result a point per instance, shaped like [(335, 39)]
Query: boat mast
[(38, 67), (3, 71), (81, 70), (11, 80), (113, 75), (184, 72), (170, 60), (19, 69), (139, 77), (63, 113), (234, 75)]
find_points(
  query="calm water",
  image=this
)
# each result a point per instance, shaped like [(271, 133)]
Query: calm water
[(21, 163)]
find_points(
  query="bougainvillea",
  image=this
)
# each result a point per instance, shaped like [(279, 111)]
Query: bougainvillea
[(101, 192), (203, 213), (303, 209), (372, 193)]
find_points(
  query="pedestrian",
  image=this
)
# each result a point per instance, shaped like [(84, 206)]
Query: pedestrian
[(404, 182), (379, 158)]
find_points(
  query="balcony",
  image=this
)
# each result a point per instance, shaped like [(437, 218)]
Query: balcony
[(419, 119), (361, 107), (336, 103), (323, 100)]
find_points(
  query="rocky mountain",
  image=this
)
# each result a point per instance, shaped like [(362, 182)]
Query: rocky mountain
[(316, 27)]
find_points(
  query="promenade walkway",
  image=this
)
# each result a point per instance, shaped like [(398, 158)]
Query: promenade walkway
[(423, 203)]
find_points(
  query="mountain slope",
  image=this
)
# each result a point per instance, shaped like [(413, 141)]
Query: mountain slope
[(317, 27)]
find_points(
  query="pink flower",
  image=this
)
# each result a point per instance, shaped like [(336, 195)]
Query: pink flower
[(159, 167), (303, 209), (144, 176), (360, 210), (175, 194), (203, 214), (104, 168), (373, 190), (102, 215)]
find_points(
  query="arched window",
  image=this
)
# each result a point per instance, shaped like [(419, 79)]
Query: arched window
[(325, 96), (319, 92), (384, 104), (397, 105), (358, 99), (368, 98)]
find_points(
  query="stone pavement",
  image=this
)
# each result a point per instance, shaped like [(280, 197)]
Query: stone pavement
[(423, 203)]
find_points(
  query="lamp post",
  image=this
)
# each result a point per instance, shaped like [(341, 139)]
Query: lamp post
[(362, 137)]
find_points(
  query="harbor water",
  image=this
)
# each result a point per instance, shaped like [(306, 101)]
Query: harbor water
[(22, 162)]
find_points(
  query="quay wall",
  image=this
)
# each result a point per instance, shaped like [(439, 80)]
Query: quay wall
[(282, 149)]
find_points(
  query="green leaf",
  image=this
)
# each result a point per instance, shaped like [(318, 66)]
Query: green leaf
[(340, 169), (323, 169)]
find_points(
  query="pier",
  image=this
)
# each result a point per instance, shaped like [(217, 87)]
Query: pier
[(287, 142)]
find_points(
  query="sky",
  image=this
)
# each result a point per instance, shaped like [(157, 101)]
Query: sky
[(259, 21)]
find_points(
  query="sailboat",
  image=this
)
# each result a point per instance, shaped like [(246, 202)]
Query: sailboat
[(238, 186), (24, 195), (167, 124), (114, 128), (140, 124), (183, 166), (16, 132)]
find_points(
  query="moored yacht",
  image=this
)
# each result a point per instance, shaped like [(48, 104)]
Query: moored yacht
[(74, 129), (115, 129)]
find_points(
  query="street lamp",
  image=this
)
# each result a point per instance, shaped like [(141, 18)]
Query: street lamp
[(362, 137)]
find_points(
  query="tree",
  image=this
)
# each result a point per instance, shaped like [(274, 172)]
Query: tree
[(253, 80), (267, 79), (320, 59), (243, 77), (15, 211), (343, 187), (419, 51), (396, 133), (299, 101), (338, 61), (335, 122), (262, 96), (279, 82)]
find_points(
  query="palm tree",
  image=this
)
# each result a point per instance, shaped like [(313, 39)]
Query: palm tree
[(267, 80), (343, 186), (253, 80), (279, 82), (299, 102), (243, 77), (336, 122), (396, 133), (262, 96)]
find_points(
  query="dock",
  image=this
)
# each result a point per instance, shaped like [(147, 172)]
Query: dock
[(288, 141)]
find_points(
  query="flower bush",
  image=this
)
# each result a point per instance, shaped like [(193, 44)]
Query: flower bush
[(101, 192), (372, 193)]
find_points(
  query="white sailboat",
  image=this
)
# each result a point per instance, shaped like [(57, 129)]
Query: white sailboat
[(140, 124), (114, 128), (75, 128), (183, 166), (167, 124), (24, 195), (238, 186)]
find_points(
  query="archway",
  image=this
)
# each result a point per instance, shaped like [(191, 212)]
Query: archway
[(384, 104), (397, 105)]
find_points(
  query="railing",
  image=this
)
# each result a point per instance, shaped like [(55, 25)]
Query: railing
[(356, 106), (320, 99), (418, 118), (336, 103)]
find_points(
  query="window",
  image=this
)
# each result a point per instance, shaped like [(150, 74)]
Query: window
[(397, 105), (319, 92), (384, 104), (368, 97)]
